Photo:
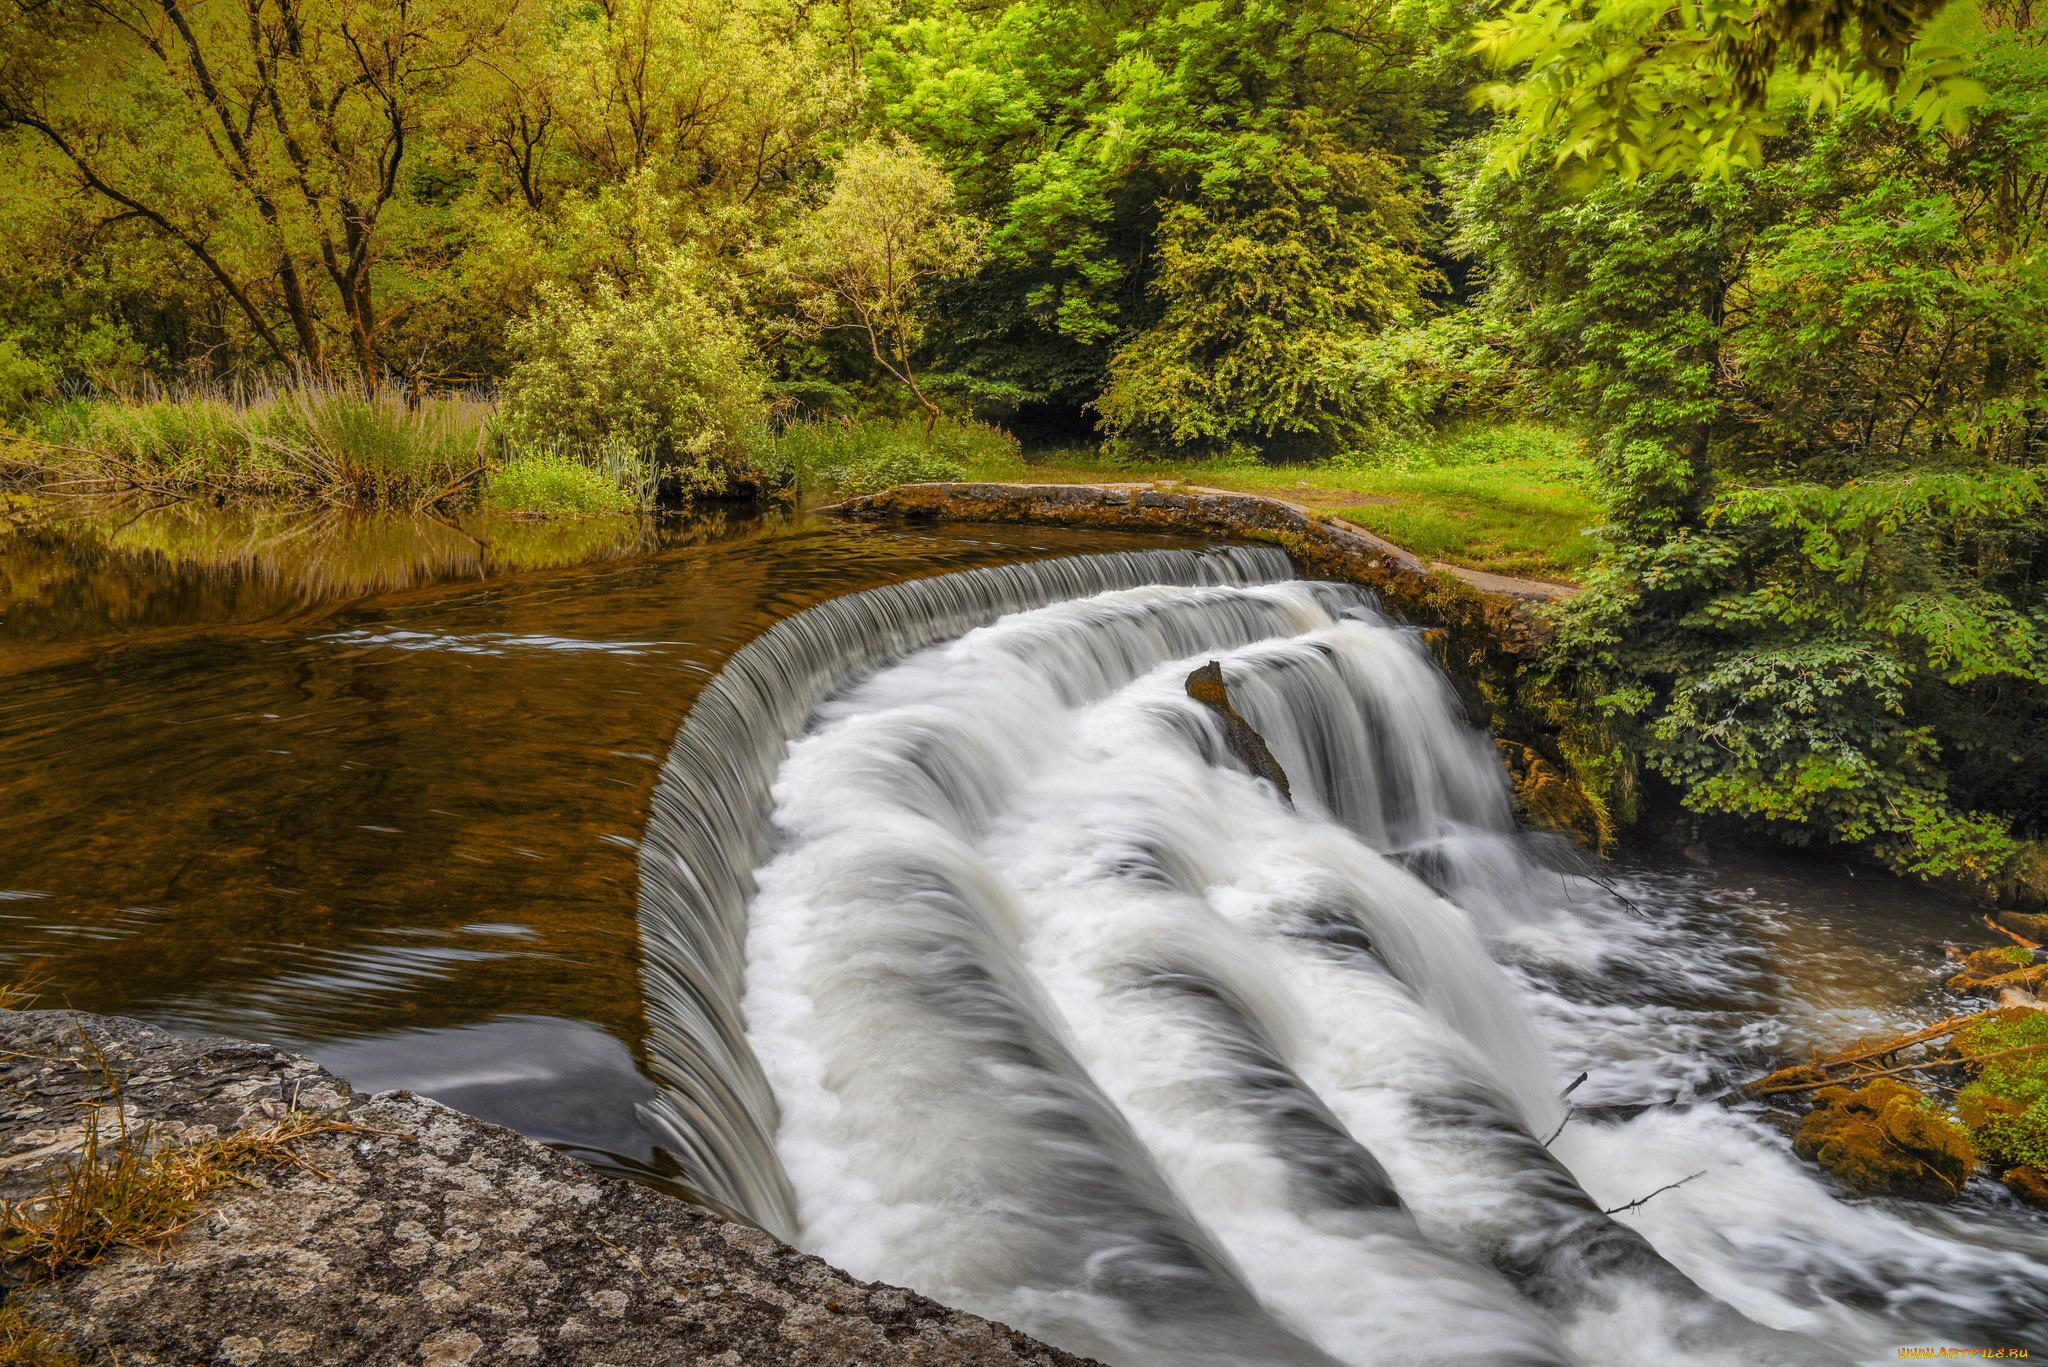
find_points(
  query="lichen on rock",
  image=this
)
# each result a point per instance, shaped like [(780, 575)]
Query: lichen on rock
[(421, 1235)]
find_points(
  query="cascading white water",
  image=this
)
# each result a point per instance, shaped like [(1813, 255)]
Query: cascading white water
[(709, 829), (1070, 1021)]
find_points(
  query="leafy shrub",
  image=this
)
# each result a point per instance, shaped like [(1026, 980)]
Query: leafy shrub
[(551, 483), (23, 380), (665, 368), (894, 465)]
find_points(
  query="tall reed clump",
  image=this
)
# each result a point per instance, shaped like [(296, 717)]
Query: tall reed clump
[(312, 440), (845, 458)]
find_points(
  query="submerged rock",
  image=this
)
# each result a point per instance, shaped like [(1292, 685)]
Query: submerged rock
[(1206, 686), (420, 1235), (1886, 1140)]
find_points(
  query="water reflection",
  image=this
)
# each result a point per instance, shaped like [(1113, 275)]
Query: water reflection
[(77, 568), (560, 1081), (336, 780)]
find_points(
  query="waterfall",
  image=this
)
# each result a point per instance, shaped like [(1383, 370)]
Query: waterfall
[(709, 829), (978, 964)]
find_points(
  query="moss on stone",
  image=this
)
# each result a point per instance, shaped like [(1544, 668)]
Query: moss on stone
[(1886, 1140), (2030, 1185), (1988, 972), (1549, 800)]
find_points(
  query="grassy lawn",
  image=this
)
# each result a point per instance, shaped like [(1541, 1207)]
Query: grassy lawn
[(1512, 499)]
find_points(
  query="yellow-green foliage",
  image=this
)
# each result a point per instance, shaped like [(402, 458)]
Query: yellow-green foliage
[(2006, 1106), (1267, 286), (555, 485), (304, 440), (664, 368)]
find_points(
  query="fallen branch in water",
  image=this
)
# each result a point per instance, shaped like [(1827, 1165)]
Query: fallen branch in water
[(1810, 1076), (1658, 1192), (1569, 1110), (2012, 935)]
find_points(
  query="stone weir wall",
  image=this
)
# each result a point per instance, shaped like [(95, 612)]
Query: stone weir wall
[(1487, 631), (416, 1235), (1171, 506)]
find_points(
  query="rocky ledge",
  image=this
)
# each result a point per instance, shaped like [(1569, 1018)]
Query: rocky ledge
[(417, 1235)]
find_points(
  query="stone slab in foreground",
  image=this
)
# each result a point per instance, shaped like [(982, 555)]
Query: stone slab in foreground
[(440, 1242), (1171, 507)]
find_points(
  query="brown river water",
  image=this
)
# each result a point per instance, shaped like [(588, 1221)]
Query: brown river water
[(372, 786)]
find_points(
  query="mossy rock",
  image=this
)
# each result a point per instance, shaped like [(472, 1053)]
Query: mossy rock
[(1886, 1140), (1549, 799), (1988, 972), (2030, 1185)]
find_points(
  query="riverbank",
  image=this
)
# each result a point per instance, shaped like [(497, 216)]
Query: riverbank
[(404, 1231)]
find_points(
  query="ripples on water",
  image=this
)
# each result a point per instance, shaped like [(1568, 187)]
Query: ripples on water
[(1067, 1020), (375, 787)]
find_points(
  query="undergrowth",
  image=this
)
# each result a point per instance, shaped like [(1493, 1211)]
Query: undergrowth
[(307, 439), (556, 484), (845, 458), (2006, 1104)]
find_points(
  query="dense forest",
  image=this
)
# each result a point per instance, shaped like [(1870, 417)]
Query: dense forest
[(1775, 268)]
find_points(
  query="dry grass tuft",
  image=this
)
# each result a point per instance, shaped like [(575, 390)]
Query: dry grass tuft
[(14, 996), (133, 1193), (24, 1345), (124, 1190)]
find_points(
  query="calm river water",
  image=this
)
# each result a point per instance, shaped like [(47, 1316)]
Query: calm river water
[(372, 787)]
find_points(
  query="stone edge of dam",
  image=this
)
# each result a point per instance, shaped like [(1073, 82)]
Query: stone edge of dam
[(404, 1231)]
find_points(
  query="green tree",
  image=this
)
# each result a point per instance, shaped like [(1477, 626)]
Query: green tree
[(268, 142), (867, 258), (1077, 129), (1691, 85), (1816, 389), (1267, 282)]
